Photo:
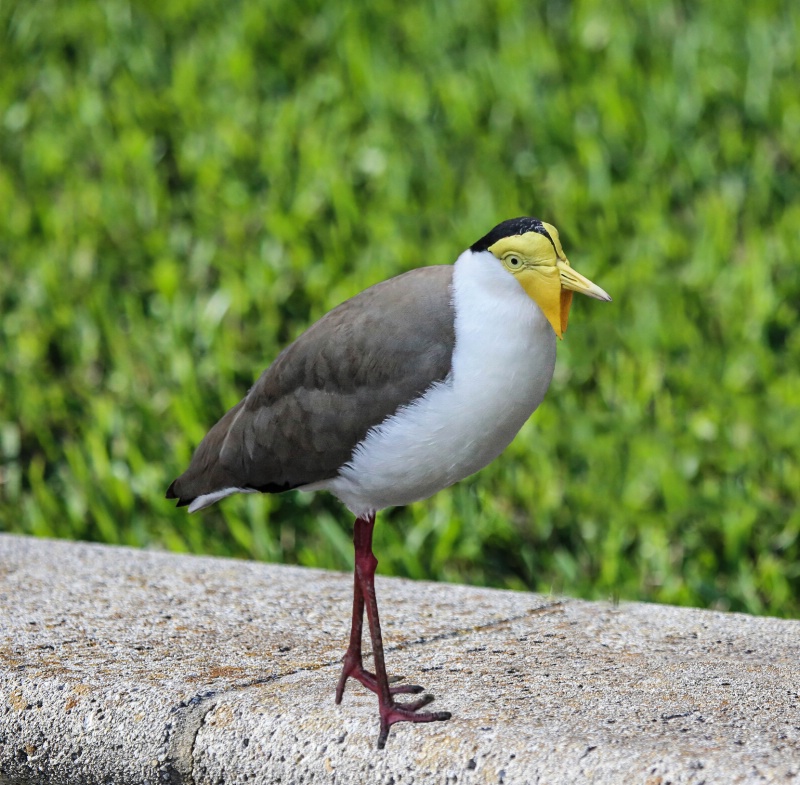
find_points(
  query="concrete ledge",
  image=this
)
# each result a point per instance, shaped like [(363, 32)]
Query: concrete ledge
[(121, 666)]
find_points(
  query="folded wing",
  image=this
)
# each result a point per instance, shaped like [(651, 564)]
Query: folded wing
[(349, 371)]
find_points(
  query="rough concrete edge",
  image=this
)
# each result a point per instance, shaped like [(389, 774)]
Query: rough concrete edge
[(181, 735)]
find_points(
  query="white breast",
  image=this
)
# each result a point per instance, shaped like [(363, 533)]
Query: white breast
[(502, 366)]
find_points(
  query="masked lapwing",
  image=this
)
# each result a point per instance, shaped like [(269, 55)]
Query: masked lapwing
[(399, 392)]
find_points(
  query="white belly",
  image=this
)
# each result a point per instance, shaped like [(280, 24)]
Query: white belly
[(502, 366)]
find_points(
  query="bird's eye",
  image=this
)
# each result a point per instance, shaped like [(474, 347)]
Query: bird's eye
[(514, 262)]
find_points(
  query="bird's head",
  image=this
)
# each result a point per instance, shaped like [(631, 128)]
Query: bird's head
[(531, 251)]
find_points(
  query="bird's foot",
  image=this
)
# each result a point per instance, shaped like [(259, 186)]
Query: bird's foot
[(354, 668), (407, 712)]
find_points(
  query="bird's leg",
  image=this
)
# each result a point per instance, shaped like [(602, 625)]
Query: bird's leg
[(390, 711), (353, 664)]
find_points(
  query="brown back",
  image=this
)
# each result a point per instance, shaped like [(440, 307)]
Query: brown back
[(349, 371)]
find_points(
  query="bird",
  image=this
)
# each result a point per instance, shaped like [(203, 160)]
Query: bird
[(399, 392)]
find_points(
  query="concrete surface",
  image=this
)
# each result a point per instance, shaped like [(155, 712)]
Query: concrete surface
[(122, 666)]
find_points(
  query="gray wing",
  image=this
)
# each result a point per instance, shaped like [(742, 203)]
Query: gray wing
[(349, 371)]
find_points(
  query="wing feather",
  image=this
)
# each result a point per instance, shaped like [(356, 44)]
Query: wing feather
[(349, 371)]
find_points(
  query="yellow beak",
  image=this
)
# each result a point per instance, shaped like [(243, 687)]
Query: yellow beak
[(575, 282), (551, 289)]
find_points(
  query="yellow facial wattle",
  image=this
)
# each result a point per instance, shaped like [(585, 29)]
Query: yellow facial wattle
[(544, 272)]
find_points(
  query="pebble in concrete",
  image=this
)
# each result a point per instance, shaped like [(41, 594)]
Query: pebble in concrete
[(121, 666)]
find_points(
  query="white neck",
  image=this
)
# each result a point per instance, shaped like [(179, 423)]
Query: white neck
[(501, 334)]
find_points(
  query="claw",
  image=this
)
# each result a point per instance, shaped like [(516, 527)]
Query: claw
[(418, 704), (399, 712), (356, 670)]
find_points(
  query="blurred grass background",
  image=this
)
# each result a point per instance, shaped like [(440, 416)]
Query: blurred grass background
[(186, 184)]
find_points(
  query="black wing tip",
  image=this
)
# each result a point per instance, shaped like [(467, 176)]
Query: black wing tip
[(172, 494)]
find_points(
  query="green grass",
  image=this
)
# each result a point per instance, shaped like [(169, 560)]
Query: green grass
[(186, 185)]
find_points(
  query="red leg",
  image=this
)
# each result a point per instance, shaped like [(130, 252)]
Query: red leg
[(364, 596), (353, 664)]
